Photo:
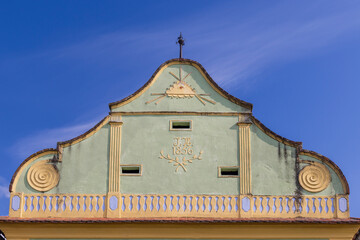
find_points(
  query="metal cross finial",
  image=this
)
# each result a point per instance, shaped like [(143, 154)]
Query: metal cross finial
[(181, 42)]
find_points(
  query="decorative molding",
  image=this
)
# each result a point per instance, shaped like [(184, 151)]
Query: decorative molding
[(202, 71), (244, 158), (182, 146), (43, 176), (175, 129), (142, 206), (115, 154), (180, 229), (314, 177), (180, 89)]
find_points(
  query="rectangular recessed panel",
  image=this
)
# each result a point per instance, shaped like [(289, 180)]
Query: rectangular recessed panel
[(181, 125), (131, 170), (227, 171)]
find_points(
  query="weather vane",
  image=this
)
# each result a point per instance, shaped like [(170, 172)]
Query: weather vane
[(181, 42)]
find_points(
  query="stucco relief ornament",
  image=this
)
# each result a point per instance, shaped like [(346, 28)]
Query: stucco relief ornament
[(180, 89), (314, 177), (43, 176), (182, 148)]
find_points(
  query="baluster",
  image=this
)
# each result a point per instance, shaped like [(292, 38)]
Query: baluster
[(316, 204), (82, 204), (206, 202), (99, 204), (126, 199), (88, 203), (53, 204), (40, 204), (277, 205), (329, 207), (201, 204), (162, 204), (257, 205), (181, 203), (168, 203), (233, 204), (188, 204), (28, 203), (322, 206), (271, 205), (226, 204), (264, 204), (47, 204), (142, 201), (193, 204)]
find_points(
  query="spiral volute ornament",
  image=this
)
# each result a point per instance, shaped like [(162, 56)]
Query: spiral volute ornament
[(43, 176), (314, 177)]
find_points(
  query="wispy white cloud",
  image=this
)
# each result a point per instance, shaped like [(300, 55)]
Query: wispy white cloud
[(4, 191), (46, 138), (240, 47), (248, 49)]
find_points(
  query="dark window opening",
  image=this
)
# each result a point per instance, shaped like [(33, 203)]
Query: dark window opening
[(229, 171), (181, 125), (130, 170)]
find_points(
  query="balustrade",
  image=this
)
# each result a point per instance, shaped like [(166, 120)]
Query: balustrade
[(154, 205)]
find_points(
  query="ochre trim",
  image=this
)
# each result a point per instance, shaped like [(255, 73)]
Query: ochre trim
[(273, 135), (26, 162), (170, 113), (114, 156), (331, 164), (189, 230), (195, 64), (245, 158)]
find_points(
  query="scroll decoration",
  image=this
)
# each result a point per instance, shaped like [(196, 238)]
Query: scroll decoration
[(314, 177), (43, 176)]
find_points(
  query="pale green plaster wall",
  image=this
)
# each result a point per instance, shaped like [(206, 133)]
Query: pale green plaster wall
[(144, 137), (84, 167), (196, 81), (335, 186), (272, 167)]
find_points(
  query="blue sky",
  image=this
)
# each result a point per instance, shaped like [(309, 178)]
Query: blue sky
[(298, 62)]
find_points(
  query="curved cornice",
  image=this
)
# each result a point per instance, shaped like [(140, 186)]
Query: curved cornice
[(184, 61), (84, 135), (274, 135)]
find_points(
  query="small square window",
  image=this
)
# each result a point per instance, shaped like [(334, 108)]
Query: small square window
[(180, 125), (131, 170), (226, 172)]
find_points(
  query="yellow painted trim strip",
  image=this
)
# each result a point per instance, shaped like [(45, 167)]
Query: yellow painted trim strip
[(163, 230), (244, 158)]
